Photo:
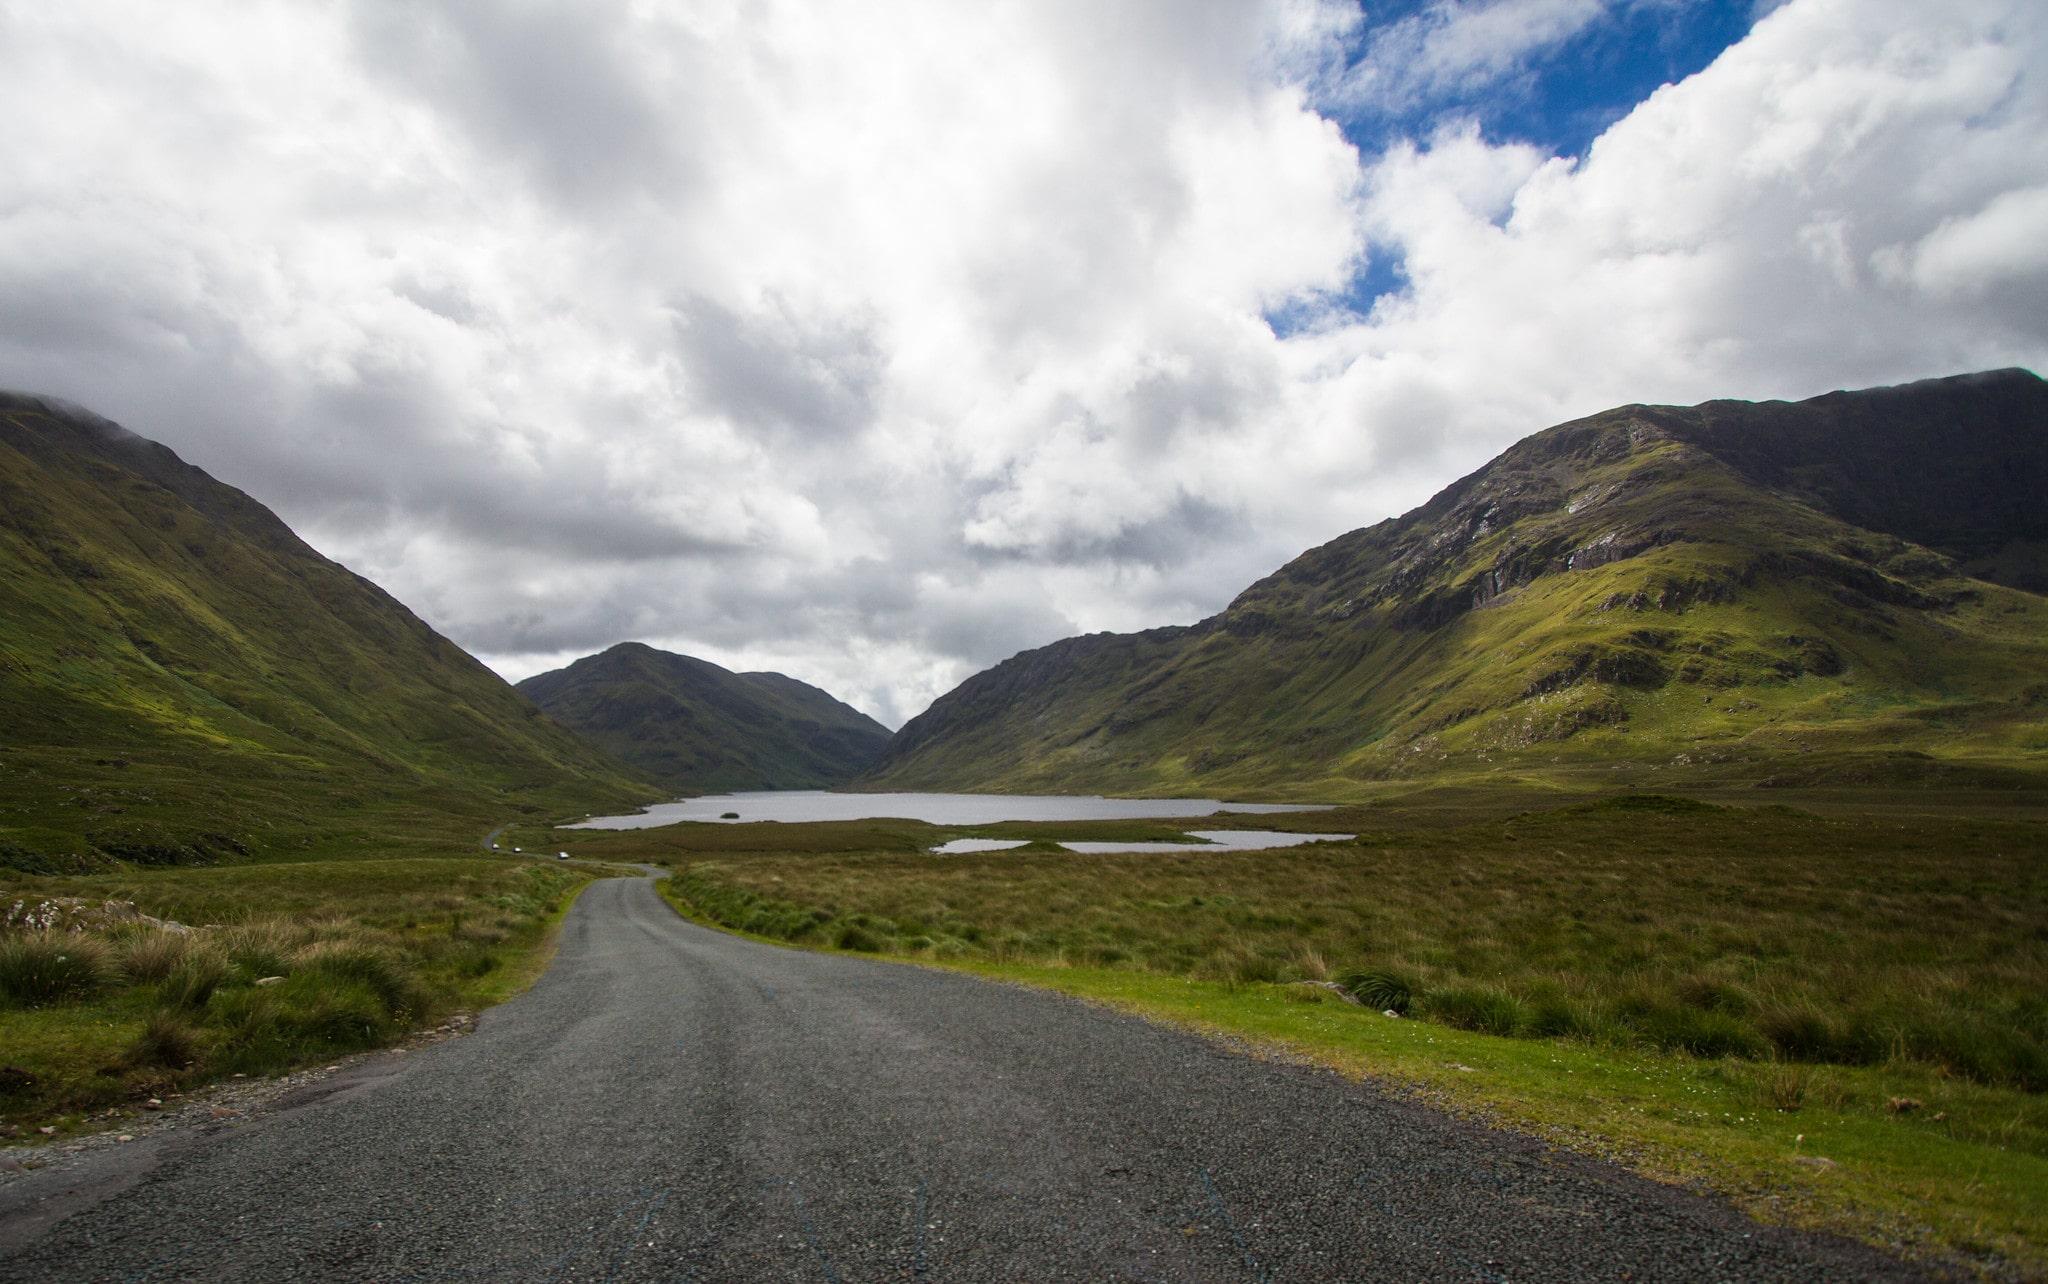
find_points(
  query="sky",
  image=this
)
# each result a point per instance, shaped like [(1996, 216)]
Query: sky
[(876, 342)]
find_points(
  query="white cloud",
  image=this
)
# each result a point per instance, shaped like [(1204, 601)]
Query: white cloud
[(872, 351), (1782, 223), (2003, 246), (1456, 48)]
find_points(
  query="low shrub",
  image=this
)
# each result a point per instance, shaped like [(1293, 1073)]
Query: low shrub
[(38, 968)]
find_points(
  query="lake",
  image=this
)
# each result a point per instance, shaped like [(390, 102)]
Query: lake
[(1213, 840), (796, 805)]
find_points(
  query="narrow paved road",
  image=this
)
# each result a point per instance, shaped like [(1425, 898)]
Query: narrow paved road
[(670, 1103)]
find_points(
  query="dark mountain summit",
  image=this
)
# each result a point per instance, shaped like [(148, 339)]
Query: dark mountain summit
[(1841, 588), (696, 727), (183, 678)]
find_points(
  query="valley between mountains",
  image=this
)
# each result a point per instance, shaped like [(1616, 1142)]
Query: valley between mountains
[(1688, 768)]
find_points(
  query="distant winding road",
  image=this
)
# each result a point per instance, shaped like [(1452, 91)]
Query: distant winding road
[(671, 1103)]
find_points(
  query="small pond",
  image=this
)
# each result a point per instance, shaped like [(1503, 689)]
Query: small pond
[(795, 805), (1231, 840), (1213, 840)]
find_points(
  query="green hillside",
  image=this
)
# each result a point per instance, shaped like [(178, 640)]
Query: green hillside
[(184, 680), (696, 727), (1845, 590)]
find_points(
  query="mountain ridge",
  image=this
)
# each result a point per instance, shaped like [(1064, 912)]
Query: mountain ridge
[(153, 617), (1561, 592)]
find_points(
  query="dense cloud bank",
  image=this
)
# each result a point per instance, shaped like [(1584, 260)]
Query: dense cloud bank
[(875, 351)]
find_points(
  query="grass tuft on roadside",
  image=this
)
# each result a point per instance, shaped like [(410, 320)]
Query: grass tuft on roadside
[(288, 964), (37, 970)]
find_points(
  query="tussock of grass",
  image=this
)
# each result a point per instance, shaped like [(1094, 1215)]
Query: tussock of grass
[(193, 981), (356, 962), (41, 968), (1485, 1008), (148, 957), (258, 949), (169, 1041)]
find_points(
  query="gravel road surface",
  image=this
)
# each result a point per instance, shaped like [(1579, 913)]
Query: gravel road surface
[(670, 1103)]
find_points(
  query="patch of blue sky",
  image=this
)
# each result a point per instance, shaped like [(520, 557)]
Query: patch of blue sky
[(1558, 94), (1384, 273)]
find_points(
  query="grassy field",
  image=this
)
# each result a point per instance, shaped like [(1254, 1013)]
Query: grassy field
[(285, 964), (1836, 1012)]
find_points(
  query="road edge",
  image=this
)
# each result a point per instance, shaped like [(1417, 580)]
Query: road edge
[(1871, 1228)]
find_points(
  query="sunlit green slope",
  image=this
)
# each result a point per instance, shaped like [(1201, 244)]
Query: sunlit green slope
[(182, 678), (1842, 590)]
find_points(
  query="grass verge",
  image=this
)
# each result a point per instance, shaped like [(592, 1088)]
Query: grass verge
[(1963, 1175), (1836, 1020), (268, 967)]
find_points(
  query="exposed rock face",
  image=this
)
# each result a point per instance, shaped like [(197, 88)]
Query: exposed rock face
[(694, 726), (1855, 542)]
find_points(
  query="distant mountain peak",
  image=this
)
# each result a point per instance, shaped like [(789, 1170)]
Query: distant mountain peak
[(694, 725)]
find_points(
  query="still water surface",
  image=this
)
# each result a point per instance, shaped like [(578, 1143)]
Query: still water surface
[(937, 809), (1213, 840), (1232, 840)]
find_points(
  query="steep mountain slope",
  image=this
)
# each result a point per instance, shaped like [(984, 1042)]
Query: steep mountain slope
[(1842, 589), (182, 678), (697, 727)]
